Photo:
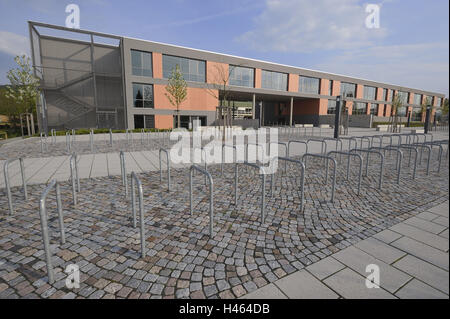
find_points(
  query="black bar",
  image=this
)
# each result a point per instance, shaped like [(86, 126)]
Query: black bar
[(427, 119), (337, 117)]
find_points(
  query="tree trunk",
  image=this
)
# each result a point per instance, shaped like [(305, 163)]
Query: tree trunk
[(178, 117)]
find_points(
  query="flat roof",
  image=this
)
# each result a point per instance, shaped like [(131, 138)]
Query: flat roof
[(85, 31)]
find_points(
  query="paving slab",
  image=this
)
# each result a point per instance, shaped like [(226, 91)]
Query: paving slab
[(426, 272), (387, 236), (428, 226), (351, 285), (380, 250), (269, 291), (325, 267), (303, 285), (416, 289), (427, 216), (441, 221), (421, 235), (441, 209), (432, 255), (391, 278)]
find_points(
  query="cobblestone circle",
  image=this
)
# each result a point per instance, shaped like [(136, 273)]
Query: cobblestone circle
[(182, 260)]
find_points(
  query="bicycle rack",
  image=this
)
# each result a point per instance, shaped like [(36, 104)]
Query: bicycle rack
[(262, 172), (380, 181), (53, 135), (441, 150), (302, 180), (298, 142), (365, 138), (223, 156), (68, 141), (350, 140), (110, 137), (44, 226), (254, 144), (8, 189), (211, 194), (43, 140), (286, 151), (123, 172), (136, 181), (349, 154), (327, 158), (74, 176), (161, 150), (337, 140), (73, 137), (323, 147), (411, 148), (129, 136), (91, 139), (380, 139), (429, 148), (398, 162)]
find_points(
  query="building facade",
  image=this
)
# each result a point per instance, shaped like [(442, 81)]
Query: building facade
[(97, 80)]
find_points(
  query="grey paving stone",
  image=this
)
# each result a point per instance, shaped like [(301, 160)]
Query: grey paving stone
[(302, 285), (416, 289), (441, 221), (428, 226), (427, 216), (444, 234), (426, 272), (391, 278), (422, 236), (269, 291), (325, 267), (441, 209), (380, 250), (429, 254), (351, 285)]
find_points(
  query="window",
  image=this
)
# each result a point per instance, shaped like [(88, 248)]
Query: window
[(404, 97), (241, 76), (438, 101), (331, 107), (374, 108), (385, 93), (385, 113), (349, 89), (416, 115), (143, 95), (417, 99), (273, 80), (330, 88), (391, 95), (307, 84), (144, 121), (141, 63), (359, 108), (370, 92), (402, 111), (192, 70)]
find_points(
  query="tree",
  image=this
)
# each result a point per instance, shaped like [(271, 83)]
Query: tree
[(20, 96), (397, 104), (176, 90), (425, 103), (444, 107), (219, 90)]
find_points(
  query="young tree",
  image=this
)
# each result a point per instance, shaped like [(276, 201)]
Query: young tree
[(423, 107), (397, 104), (23, 91), (176, 90)]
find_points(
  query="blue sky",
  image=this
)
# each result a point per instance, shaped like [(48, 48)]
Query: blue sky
[(411, 47)]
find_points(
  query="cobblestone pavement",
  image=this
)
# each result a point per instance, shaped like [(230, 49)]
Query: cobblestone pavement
[(182, 260)]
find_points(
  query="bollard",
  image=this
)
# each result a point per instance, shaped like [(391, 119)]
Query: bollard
[(123, 172), (44, 226), (211, 194), (7, 184)]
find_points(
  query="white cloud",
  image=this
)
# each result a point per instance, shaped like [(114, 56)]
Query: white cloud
[(422, 66), (302, 26), (14, 44)]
